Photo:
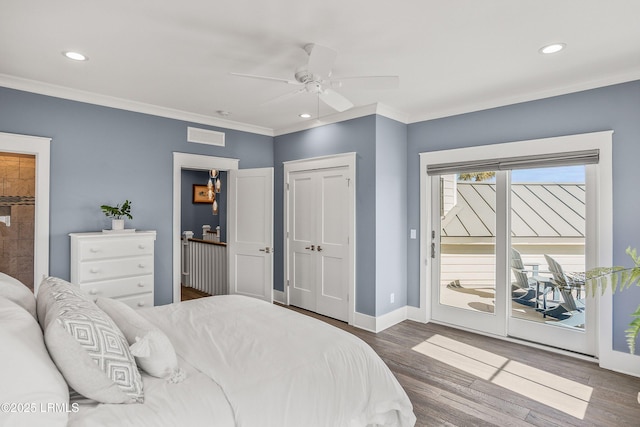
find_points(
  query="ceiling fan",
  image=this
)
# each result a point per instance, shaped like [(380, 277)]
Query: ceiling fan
[(316, 77)]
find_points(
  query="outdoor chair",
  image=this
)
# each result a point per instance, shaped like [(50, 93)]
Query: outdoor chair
[(525, 282), (570, 310)]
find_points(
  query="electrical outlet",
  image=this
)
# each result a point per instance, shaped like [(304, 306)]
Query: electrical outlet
[(392, 298)]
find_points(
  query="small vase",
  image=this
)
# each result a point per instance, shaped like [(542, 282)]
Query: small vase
[(117, 224)]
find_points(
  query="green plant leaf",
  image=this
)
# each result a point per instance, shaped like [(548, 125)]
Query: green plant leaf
[(633, 331)]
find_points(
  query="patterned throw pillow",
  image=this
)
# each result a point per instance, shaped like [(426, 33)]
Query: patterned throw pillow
[(86, 345)]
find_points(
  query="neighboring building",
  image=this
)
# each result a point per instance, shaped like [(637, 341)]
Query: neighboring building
[(546, 218)]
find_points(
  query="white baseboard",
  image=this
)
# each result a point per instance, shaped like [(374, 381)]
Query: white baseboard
[(416, 314), (380, 323), (625, 363)]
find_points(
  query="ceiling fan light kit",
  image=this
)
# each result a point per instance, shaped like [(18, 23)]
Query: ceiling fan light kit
[(315, 77)]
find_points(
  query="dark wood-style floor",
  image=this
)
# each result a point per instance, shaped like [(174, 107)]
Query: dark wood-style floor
[(482, 381), (191, 293), (444, 394)]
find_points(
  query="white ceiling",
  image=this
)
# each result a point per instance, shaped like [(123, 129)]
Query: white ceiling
[(451, 56)]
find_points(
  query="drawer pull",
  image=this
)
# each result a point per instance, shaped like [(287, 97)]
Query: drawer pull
[(141, 265), (141, 246), (94, 250), (141, 304), (94, 270), (93, 292), (141, 285)]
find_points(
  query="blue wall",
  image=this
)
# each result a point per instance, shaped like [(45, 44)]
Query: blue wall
[(614, 108), (357, 135), (391, 214), (195, 215), (105, 155)]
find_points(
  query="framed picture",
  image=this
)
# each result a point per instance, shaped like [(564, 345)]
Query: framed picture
[(200, 194)]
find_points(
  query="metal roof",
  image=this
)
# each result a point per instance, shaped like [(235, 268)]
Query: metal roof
[(537, 210)]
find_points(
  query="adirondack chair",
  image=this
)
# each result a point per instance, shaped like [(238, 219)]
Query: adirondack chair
[(528, 283), (565, 283)]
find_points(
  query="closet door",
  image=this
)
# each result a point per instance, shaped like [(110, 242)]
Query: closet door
[(319, 264), (302, 217)]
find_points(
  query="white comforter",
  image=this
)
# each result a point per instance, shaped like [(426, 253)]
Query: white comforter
[(278, 368)]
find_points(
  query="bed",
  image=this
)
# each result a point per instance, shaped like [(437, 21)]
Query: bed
[(217, 361)]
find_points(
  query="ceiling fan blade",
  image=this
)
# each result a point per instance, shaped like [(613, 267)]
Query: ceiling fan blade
[(283, 97), (367, 82), (321, 60), (273, 79), (334, 100)]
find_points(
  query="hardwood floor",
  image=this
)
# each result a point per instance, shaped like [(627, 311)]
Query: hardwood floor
[(466, 379), (458, 378), (190, 293)]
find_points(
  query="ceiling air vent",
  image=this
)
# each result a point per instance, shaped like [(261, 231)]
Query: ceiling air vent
[(204, 136)]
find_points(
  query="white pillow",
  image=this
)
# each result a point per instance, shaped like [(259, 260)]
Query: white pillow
[(86, 345), (28, 376), (16, 291), (151, 347)]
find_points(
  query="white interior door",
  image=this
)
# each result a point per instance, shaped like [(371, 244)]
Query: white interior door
[(319, 241), (332, 269), (250, 243), (302, 217)]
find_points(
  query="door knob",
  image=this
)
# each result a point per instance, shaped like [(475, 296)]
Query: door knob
[(312, 247), (267, 250), (319, 248)]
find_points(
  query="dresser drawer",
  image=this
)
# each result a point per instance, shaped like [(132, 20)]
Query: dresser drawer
[(120, 287), (138, 301), (92, 271), (114, 248)]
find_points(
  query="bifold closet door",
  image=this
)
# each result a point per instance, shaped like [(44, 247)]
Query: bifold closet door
[(319, 241)]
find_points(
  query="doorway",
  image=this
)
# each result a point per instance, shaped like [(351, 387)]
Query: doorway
[(250, 224), (499, 222), (26, 213)]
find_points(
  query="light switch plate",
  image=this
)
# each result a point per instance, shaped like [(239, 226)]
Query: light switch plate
[(413, 233)]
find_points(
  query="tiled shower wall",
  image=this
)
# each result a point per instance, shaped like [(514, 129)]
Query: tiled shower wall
[(17, 200)]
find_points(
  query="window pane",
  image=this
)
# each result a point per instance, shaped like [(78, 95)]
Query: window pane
[(548, 245), (467, 241)]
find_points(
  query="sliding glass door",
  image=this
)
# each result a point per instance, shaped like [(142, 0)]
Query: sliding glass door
[(464, 250), (549, 223), (508, 241)]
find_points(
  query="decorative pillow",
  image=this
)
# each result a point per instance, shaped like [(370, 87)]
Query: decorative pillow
[(16, 291), (152, 348), (86, 345), (28, 376)]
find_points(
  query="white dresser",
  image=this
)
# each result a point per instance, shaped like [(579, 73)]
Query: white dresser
[(114, 265)]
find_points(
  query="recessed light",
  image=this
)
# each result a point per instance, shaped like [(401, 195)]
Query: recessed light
[(75, 56), (552, 48), (305, 115)]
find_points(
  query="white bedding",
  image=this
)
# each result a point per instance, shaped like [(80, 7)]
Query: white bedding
[(274, 367), (197, 401)]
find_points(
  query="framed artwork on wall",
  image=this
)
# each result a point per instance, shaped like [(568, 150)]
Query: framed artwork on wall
[(200, 194)]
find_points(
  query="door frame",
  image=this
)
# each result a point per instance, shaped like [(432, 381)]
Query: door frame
[(195, 162), (41, 148), (347, 160), (599, 252)]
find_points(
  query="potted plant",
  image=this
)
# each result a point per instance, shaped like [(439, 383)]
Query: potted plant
[(116, 213), (619, 278)]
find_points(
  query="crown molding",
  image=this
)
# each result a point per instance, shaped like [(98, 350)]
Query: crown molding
[(56, 91), (525, 97), (353, 113)]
